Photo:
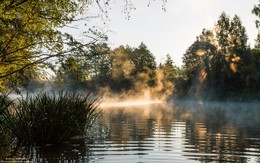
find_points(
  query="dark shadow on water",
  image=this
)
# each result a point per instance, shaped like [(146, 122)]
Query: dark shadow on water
[(73, 151)]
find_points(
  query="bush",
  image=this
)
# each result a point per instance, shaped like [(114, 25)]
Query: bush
[(52, 117)]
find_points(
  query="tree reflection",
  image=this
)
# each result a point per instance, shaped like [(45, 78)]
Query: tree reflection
[(73, 151), (136, 123), (218, 131), (223, 130), (206, 132)]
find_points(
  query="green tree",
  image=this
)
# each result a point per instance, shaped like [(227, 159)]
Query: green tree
[(254, 68), (125, 67), (143, 62), (89, 67), (30, 32), (236, 51), (222, 33), (100, 63), (207, 36), (256, 12), (238, 36), (169, 69), (71, 73), (231, 38), (142, 59), (199, 64), (121, 68), (219, 62)]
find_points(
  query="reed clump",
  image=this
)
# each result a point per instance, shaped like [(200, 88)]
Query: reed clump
[(52, 117), (5, 138), (5, 103)]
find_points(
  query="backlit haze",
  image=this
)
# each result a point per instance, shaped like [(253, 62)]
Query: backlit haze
[(173, 30), (164, 29)]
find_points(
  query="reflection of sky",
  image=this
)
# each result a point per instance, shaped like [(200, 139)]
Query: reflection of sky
[(161, 134), (157, 136)]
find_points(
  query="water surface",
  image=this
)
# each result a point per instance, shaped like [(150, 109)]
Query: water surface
[(183, 132)]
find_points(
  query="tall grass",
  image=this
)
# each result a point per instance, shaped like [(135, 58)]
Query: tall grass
[(5, 138), (52, 117), (5, 103)]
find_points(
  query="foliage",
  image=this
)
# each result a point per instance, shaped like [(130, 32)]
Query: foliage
[(142, 58), (121, 68), (220, 62), (100, 63), (100, 66), (256, 11), (50, 118), (169, 69), (26, 27), (91, 65), (31, 36), (73, 74), (131, 66)]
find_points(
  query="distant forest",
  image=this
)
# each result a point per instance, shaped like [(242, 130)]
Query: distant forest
[(220, 64)]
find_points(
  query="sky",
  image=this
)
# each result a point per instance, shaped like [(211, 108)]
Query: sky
[(174, 30)]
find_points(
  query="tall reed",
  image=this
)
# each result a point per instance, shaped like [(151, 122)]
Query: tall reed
[(52, 117), (5, 138), (5, 102)]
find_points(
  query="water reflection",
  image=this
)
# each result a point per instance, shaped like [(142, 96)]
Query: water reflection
[(183, 132), (73, 151)]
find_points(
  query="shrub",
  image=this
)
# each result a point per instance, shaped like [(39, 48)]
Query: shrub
[(52, 117)]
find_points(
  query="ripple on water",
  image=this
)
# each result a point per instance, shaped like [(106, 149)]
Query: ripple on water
[(141, 135)]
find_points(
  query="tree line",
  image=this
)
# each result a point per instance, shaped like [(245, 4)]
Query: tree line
[(120, 70), (219, 64)]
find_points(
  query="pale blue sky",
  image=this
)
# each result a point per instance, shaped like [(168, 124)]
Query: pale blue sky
[(174, 30)]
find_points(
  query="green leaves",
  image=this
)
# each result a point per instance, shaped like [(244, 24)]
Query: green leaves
[(169, 68), (256, 11), (29, 34), (218, 59)]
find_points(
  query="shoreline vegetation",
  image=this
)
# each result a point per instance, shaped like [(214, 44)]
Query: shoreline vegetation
[(46, 118), (37, 57), (219, 65)]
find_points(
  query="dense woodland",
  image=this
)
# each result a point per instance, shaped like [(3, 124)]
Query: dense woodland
[(220, 64)]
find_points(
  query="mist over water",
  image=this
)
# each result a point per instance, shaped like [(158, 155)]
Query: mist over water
[(145, 124), (141, 90), (187, 131)]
